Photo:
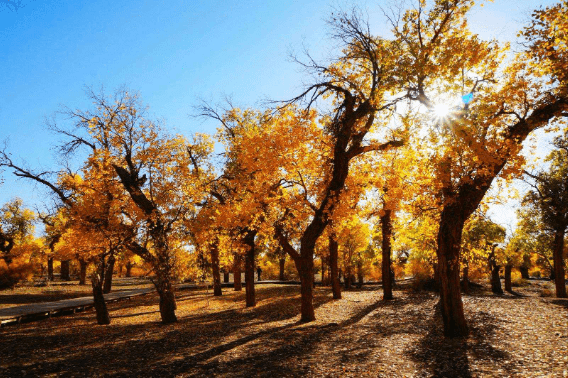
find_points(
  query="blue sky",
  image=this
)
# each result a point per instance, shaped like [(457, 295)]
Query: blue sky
[(172, 52)]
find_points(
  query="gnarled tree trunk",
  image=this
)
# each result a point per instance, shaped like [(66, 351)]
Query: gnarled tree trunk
[(494, 268), (305, 268)]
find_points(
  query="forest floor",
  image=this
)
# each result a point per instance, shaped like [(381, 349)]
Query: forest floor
[(59, 290), (512, 335)]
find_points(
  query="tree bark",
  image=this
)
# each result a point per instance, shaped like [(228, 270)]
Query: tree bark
[(65, 270), (238, 286), (508, 285), (82, 272), (448, 269), (466, 279), (129, 266), (559, 272), (108, 275), (495, 280), (168, 304), (101, 309), (305, 269), (386, 229), (282, 261), (225, 276), (359, 273), (333, 263), (215, 268), (248, 241), (50, 268), (524, 272)]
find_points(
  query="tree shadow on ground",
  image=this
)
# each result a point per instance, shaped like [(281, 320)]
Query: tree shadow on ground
[(76, 346), (447, 357)]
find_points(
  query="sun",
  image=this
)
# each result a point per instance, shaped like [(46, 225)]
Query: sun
[(441, 111)]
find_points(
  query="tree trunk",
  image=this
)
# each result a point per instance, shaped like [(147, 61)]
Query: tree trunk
[(359, 273), (50, 268), (305, 268), (524, 272), (108, 275), (65, 270), (323, 269), (168, 304), (333, 263), (248, 240), (466, 279), (386, 229), (282, 265), (82, 272), (120, 269), (237, 272), (449, 241), (226, 276), (495, 280), (559, 272), (129, 269), (508, 285), (215, 268), (98, 297)]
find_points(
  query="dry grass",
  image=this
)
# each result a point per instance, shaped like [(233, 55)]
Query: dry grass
[(520, 335)]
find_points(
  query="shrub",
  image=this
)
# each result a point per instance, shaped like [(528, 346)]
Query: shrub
[(11, 275)]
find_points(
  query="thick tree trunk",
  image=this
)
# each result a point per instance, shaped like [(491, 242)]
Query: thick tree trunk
[(559, 272), (65, 270), (449, 241), (108, 275), (50, 268), (282, 262), (524, 268), (99, 300), (226, 276), (215, 268), (333, 263), (524, 272), (466, 279), (168, 304), (386, 229), (508, 285), (129, 269), (305, 268), (100, 305), (248, 240), (494, 268), (238, 286), (82, 272)]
